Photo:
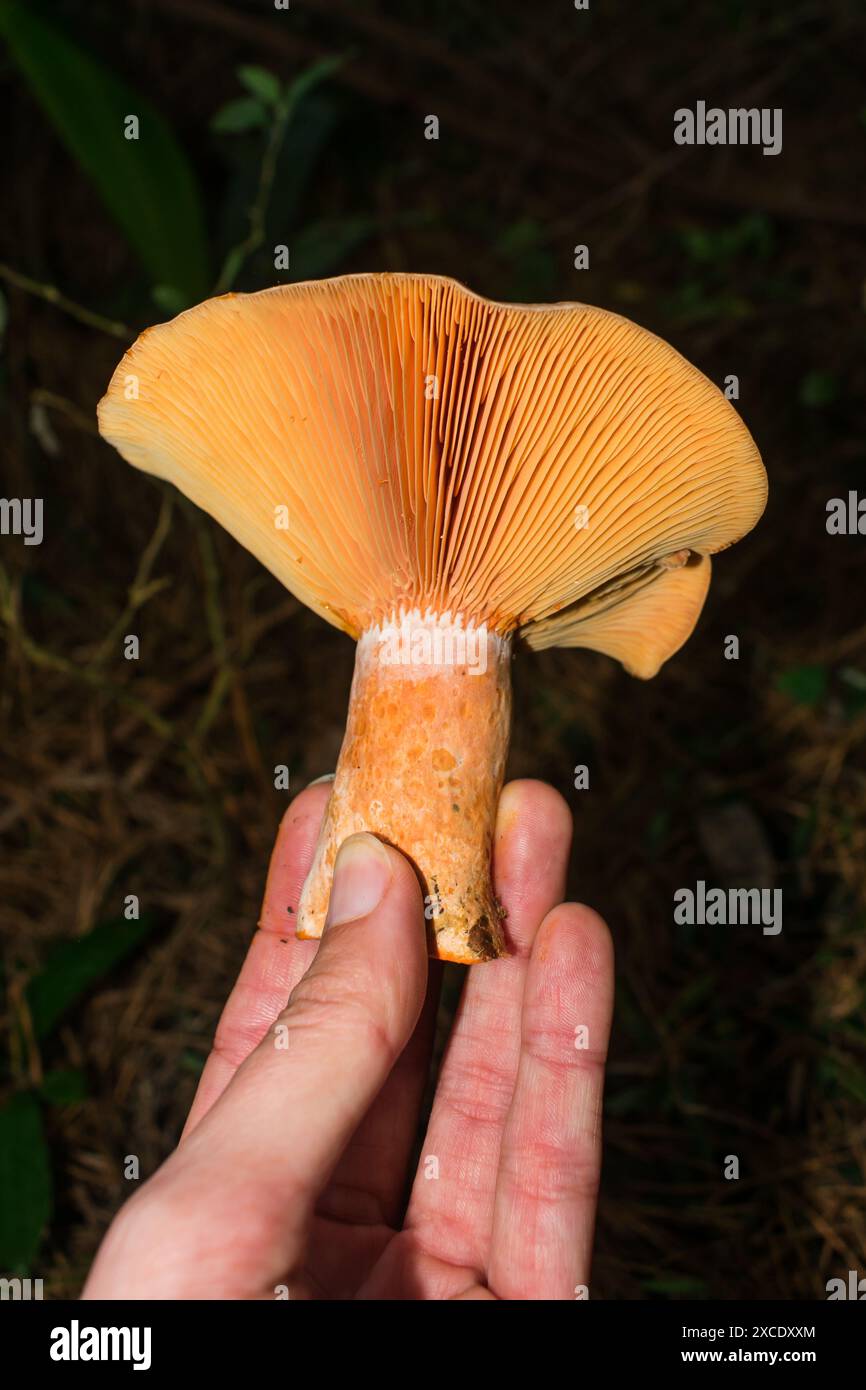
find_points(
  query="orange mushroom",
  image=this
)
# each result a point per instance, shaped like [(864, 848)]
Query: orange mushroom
[(438, 475)]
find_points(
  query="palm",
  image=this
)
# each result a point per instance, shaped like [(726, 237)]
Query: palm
[(502, 1198)]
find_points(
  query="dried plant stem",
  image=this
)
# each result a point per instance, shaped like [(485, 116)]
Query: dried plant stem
[(142, 587), (52, 295)]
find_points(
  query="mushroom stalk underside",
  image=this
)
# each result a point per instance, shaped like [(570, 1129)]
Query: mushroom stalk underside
[(421, 766)]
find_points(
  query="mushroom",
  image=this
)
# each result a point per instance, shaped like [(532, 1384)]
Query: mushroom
[(439, 476)]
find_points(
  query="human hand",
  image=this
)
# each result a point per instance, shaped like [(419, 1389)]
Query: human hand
[(291, 1174)]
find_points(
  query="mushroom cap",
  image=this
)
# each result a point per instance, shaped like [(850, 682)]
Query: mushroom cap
[(388, 443), (641, 621)]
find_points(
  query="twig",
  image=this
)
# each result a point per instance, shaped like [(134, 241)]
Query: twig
[(26, 1060), (235, 258), (142, 587), (52, 295), (73, 412), (48, 660), (225, 675)]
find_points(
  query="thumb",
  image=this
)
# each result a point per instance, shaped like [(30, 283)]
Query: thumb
[(293, 1105), (370, 970)]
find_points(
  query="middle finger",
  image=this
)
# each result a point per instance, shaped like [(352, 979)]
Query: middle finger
[(451, 1207)]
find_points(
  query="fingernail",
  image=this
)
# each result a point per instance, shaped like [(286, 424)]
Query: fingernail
[(362, 873), (328, 777)]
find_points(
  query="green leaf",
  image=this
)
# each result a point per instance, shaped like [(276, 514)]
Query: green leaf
[(854, 1082), (193, 1061), (658, 828), (25, 1182), (818, 389), (261, 83), (699, 244), (146, 184), (64, 1086), (73, 966), (806, 685), (168, 299), (316, 73), (322, 246), (244, 113), (312, 126), (522, 236), (753, 232), (232, 265)]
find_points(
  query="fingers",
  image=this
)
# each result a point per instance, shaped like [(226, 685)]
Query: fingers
[(280, 1126), (453, 1214), (276, 960), (550, 1159)]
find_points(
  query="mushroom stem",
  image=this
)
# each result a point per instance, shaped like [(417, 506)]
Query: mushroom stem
[(421, 766)]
